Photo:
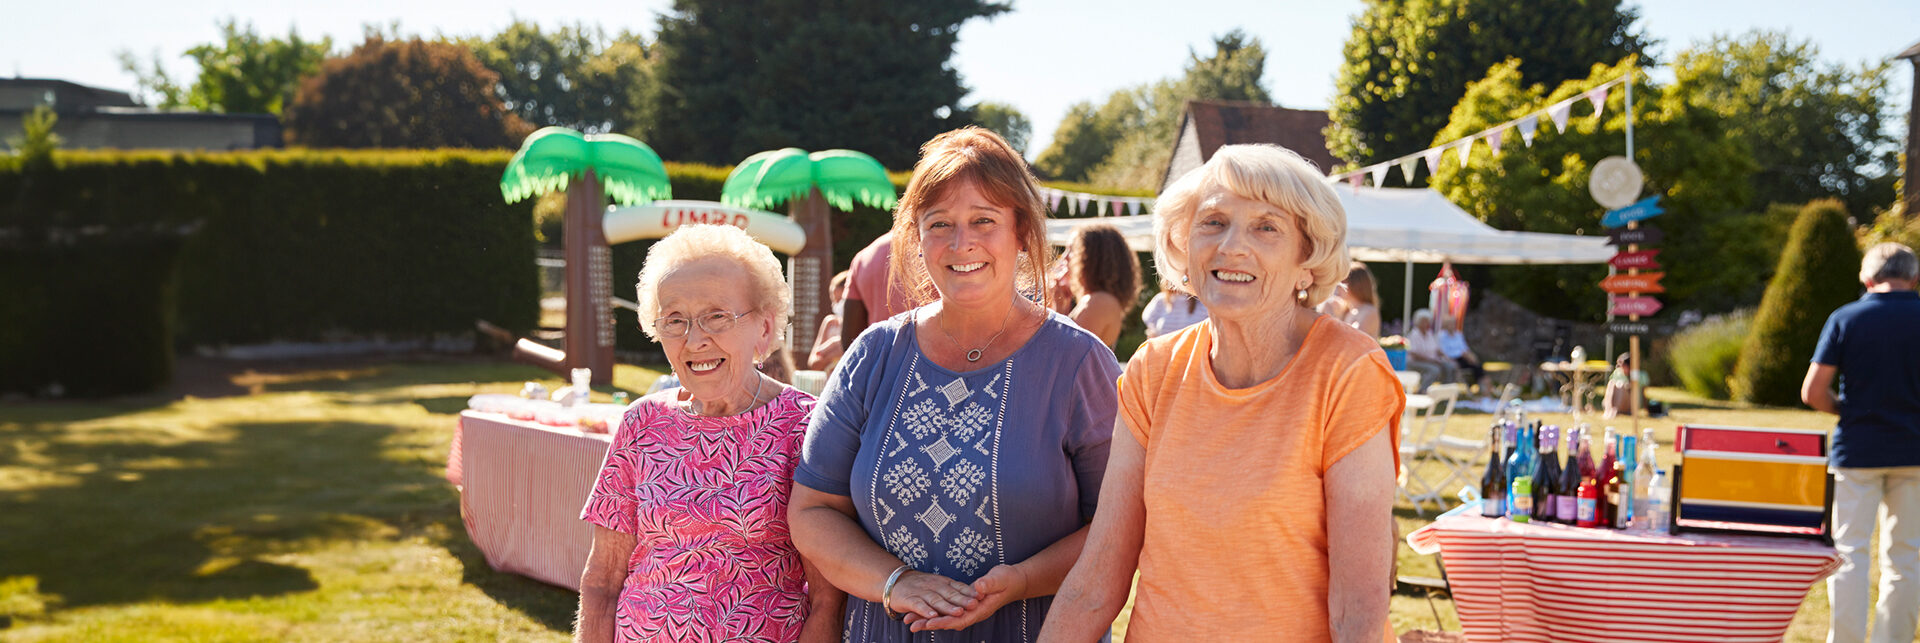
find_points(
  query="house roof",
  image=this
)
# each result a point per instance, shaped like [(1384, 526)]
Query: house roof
[(1218, 123), (73, 93), (1911, 52)]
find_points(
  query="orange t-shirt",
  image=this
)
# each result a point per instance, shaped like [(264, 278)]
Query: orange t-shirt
[(1236, 533)]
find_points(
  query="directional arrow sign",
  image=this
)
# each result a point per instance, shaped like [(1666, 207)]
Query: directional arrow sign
[(1629, 328), (1646, 282), (1643, 209), (1629, 306), (1645, 235), (1642, 260)]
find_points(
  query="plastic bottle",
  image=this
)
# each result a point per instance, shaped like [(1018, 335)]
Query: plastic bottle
[(582, 387), (1643, 468), (1659, 497)]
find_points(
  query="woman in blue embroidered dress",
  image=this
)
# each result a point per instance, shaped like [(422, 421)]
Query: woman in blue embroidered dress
[(955, 457)]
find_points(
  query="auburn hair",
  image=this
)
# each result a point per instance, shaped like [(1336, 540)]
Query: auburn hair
[(969, 154)]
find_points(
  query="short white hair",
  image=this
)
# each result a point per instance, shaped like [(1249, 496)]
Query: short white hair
[(1267, 173), (1889, 261), (767, 289)]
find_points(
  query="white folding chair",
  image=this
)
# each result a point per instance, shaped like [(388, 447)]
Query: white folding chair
[(1422, 431), (1409, 381)]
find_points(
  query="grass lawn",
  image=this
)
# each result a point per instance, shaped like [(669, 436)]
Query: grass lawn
[(307, 502)]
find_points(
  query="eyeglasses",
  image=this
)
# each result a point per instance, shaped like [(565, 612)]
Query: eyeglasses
[(713, 323)]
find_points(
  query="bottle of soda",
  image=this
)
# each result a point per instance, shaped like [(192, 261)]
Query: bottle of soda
[(1546, 494), (1516, 468), (1623, 515), (1610, 515), (1568, 511), (1587, 506), (1493, 483), (1609, 445), (1522, 499)]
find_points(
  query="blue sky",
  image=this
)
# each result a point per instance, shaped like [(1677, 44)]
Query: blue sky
[(1042, 57)]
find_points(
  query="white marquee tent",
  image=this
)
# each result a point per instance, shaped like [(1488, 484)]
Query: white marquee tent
[(1408, 225)]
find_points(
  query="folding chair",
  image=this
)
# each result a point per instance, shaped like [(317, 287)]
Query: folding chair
[(1409, 381), (1420, 440)]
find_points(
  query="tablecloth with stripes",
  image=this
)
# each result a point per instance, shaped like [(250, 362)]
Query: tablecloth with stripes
[(522, 485), (1547, 582)]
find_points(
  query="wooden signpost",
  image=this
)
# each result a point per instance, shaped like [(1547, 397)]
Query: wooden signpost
[(1627, 292)]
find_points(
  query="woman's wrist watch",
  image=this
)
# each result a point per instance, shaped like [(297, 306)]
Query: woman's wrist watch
[(886, 592)]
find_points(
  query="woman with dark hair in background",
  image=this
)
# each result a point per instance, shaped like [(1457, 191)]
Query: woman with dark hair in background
[(1104, 276)]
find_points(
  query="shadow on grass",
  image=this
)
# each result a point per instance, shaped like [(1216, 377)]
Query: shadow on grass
[(131, 521)]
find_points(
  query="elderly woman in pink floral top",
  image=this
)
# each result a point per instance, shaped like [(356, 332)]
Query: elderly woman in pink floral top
[(691, 542)]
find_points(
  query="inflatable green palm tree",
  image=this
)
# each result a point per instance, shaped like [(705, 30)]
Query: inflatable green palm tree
[(604, 164), (836, 177)]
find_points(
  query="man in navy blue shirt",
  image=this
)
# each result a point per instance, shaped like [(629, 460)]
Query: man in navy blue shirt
[(1873, 346)]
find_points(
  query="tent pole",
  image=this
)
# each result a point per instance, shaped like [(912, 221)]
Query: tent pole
[(1406, 301)]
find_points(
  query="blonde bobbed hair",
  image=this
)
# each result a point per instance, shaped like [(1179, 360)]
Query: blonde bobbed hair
[(1270, 174)]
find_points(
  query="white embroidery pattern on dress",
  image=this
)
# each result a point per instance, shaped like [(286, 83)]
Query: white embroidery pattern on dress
[(906, 481), (962, 480), (968, 550), (902, 543)]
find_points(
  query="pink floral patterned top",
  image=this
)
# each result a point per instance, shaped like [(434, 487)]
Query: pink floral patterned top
[(706, 498)]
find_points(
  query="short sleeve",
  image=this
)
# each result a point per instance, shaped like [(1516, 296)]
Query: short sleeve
[(1137, 388), (1093, 407), (1827, 352), (839, 416), (612, 503), (1365, 399)]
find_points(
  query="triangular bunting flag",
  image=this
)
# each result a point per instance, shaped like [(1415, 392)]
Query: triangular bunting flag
[(1379, 172), (1465, 150), (1406, 168), (1433, 159), (1085, 199), (1053, 200), (1353, 181), (1494, 140), (1559, 113), (1597, 96), (1527, 126)]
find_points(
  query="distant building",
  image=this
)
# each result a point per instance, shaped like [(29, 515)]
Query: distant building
[(1209, 124), (91, 118)]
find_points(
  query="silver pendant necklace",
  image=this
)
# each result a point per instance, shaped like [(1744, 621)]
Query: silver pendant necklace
[(974, 355)]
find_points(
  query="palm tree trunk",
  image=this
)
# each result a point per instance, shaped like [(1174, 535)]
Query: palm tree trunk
[(589, 339), (812, 269)]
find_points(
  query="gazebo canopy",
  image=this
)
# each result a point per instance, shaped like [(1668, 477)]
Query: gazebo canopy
[(1413, 225)]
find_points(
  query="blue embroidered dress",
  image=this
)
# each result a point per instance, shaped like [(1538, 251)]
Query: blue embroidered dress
[(955, 473)]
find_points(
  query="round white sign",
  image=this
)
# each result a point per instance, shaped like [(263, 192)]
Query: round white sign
[(1615, 182)]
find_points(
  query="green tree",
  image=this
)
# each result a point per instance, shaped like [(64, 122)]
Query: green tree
[(408, 93), (36, 141), (1815, 130), (735, 77), (1127, 142), (1409, 61), (1715, 254), (244, 73), (575, 76), (1818, 272), (1007, 121)]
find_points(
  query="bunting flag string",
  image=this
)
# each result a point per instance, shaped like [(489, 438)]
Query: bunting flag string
[(1069, 203), (1528, 126)]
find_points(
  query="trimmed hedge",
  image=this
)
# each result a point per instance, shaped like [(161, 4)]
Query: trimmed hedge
[(1703, 356), (87, 313), (301, 245), (1818, 272), (298, 245)]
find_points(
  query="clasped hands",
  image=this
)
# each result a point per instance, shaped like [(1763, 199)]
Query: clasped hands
[(935, 602)]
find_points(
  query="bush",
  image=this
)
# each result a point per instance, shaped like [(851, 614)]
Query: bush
[(299, 245), (1702, 356), (88, 313), (1818, 272)]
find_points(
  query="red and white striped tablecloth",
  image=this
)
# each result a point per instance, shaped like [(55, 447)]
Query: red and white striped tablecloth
[(521, 489), (1545, 582)]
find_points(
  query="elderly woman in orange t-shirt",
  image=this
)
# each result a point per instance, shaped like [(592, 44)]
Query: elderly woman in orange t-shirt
[(1252, 471)]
